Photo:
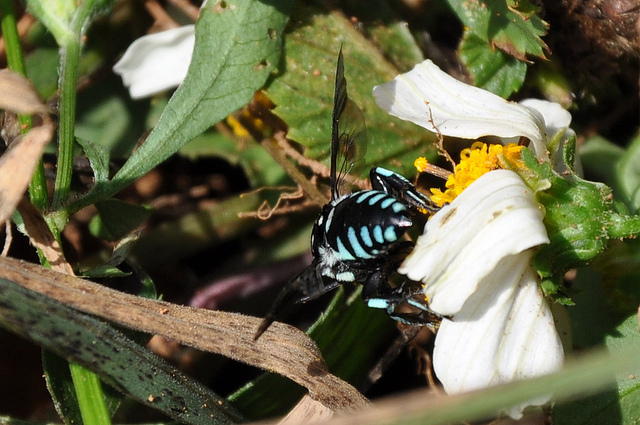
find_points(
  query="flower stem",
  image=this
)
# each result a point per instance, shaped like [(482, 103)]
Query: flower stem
[(623, 226), (87, 384), (11, 38), (70, 56), (15, 61)]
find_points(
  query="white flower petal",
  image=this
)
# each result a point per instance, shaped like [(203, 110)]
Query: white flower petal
[(157, 62), (504, 332), (431, 98), (495, 217), (554, 115), (556, 118)]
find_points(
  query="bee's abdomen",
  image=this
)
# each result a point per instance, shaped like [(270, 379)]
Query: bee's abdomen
[(364, 224)]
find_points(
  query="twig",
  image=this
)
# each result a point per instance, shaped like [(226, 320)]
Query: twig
[(440, 145), (8, 238), (187, 8), (160, 16)]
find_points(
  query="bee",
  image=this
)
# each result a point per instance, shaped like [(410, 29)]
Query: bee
[(358, 237)]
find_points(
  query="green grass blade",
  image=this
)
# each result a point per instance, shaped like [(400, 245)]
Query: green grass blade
[(119, 361)]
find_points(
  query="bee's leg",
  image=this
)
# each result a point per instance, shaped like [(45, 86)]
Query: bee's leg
[(287, 296), (377, 293), (421, 318), (392, 300), (417, 319), (400, 188), (306, 286)]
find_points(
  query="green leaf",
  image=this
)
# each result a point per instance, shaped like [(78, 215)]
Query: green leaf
[(42, 69), (120, 362), (492, 69), (397, 43), (627, 337), (63, 391), (198, 230), (304, 94), (350, 334), (60, 386), (620, 403), (550, 81), (581, 221), (98, 157), (108, 271), (619, 266), (385, 28), (107, 117), (246, 38), (598, 155), (117, 219), (91, 398), (510, 25), (577, 215), (589, 330), (617, 167), (628, 175)]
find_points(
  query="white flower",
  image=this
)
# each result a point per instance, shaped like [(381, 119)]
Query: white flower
[(474, 257), (494, 218), (474, 260), (157, 62)]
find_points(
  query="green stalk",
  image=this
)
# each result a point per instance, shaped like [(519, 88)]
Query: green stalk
[(70, 57), (68, 34), (93, 407), (11, 37), (87, 384), (15, 61), (623, 226)]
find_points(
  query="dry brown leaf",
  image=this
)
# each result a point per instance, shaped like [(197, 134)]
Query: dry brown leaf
[(41, 237), (18, 163), (282, 348), (307, 411), (18, 95)]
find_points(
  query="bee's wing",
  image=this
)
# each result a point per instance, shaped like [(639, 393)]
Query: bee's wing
[(348, 132)]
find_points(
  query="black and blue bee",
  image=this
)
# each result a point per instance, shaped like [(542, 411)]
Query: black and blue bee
[(358, 236)]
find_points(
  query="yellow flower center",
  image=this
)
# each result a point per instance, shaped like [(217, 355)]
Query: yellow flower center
[(475, 161)]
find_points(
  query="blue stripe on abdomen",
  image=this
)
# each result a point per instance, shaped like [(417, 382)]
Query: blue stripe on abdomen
[(361, 197), (343, 252), (365, 235), (398, 207), (390, 234), (385, 204), (375, 199), (357, 249), (377, 234)]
